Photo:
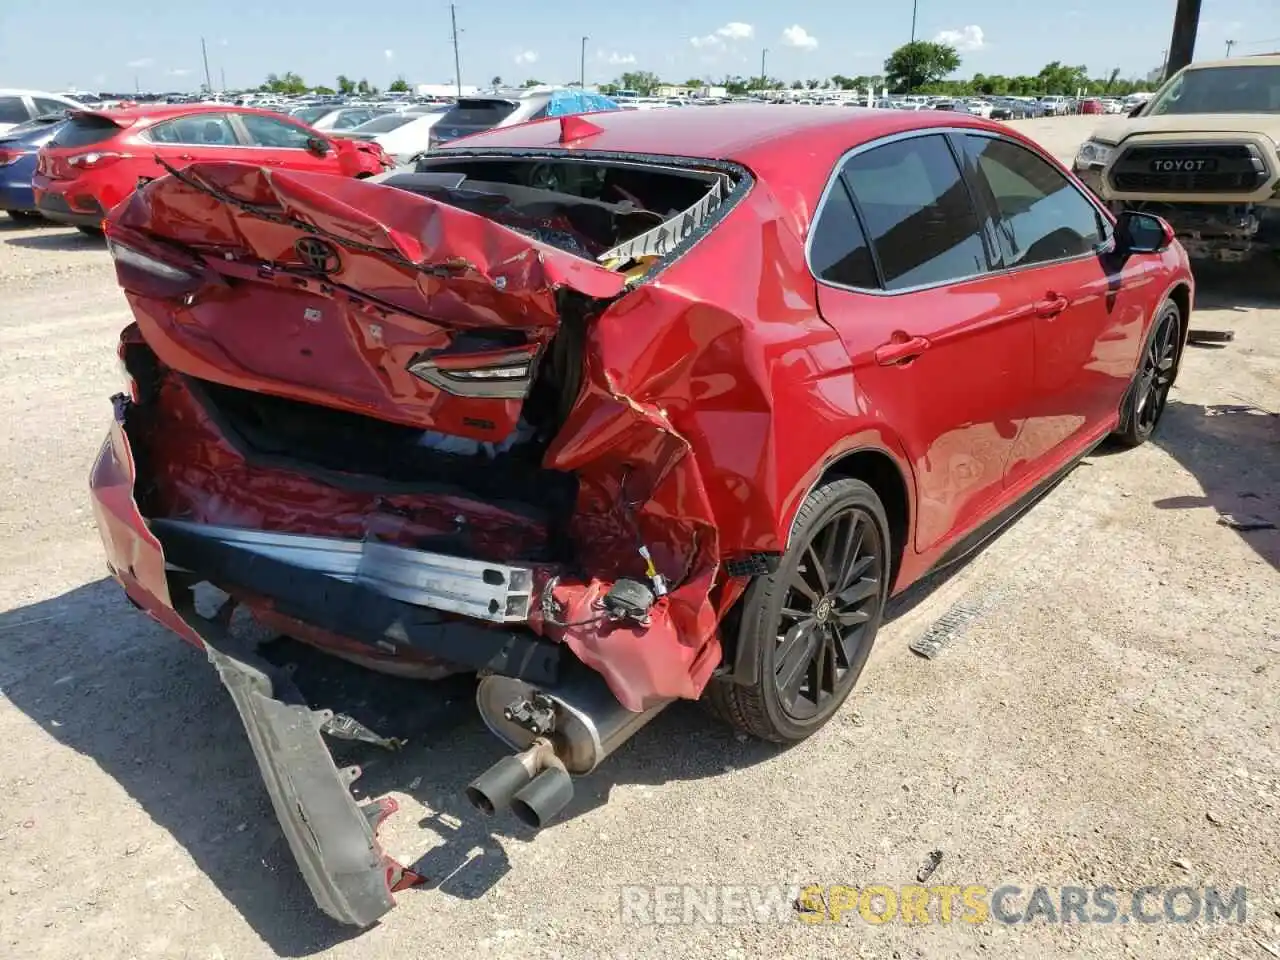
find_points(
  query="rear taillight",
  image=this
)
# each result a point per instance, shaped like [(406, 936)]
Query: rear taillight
[(154, 272), (8, 156), (93, 160)]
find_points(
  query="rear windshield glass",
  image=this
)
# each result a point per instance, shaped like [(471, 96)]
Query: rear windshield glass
[(478, 114), (384, 124), (83, 130)]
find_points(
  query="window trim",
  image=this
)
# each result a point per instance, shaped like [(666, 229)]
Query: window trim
[(837, 173), (1108, 228), (962, 159), (145, 134)]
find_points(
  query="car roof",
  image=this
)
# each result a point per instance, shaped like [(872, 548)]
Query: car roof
[(19, 92), (1259, 60), (792, 146), (163, 111)]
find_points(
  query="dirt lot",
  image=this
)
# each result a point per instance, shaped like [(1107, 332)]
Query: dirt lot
[(1107, 715)]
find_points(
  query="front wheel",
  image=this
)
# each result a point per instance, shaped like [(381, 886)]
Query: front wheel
[(811, 624), (1148, 395)]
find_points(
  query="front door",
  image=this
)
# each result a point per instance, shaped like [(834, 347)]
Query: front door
[(1088, 312), (938, 348), (277, 142)]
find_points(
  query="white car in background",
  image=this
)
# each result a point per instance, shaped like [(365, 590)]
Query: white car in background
[(19, 106), (402, 135)]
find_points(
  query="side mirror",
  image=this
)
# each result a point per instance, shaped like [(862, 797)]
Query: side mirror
[(1142, 233), (318, 146), (1136, 110)]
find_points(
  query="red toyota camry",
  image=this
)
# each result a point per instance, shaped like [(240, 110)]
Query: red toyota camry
[(611, 411), (99, 157)]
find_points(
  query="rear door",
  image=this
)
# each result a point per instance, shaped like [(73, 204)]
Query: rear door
[(281, 142), (904, 264), (1088, 308), (184, 140), (13, 111)]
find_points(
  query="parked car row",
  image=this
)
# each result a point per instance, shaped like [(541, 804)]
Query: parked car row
[(73, 169)]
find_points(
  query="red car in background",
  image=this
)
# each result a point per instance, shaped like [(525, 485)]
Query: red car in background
[(610, 410), (100, 157)]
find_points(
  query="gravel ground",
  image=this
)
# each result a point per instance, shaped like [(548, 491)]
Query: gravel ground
[(1107, 715)]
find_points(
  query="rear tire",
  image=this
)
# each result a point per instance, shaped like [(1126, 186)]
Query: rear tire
[(814, 620), (1148, 394), (95, 232), (25, 216)]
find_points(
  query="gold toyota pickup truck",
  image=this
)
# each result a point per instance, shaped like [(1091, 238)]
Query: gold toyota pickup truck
[(1202, 153)]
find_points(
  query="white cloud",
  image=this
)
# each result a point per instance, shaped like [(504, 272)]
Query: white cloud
[(139, 64), (527, 56), (179, 72), (736, 30), (966, 39), (620, 59), (798, 36), (710, 40), (389, 54)]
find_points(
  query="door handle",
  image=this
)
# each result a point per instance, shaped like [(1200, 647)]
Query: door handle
[(900, 351), (1052, 305)]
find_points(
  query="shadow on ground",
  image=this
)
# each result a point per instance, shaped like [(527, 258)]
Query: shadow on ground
[(1233, 451), (149, 710), (66, 239)]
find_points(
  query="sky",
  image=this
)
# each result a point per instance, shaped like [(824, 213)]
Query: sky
[(111, 44)]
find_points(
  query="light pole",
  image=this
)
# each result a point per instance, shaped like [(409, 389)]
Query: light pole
[(1230, 44), (915, 9), (582, 65), (763, 53), (208, 80), (457, 60)]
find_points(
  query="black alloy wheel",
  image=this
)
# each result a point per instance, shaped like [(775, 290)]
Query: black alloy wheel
[(1149, 394), (809, 626), (831, 599)]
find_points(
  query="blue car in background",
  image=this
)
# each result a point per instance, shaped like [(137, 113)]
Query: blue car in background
[(18, 149)]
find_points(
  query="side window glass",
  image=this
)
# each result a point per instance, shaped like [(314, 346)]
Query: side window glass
[(918, 212), (270, 132), (1043, 217), (13, 110), (838, 250), (46, 107), (203, 129)]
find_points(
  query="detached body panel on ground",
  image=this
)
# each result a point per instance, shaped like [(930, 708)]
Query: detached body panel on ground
[(613, 410)]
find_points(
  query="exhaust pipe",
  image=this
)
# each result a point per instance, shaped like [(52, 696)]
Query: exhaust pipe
[(564, 729)]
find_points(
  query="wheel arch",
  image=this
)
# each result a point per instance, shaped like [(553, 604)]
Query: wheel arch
[(887, 473)]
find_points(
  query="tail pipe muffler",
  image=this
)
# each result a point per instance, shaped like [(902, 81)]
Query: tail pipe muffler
[(560, 731)]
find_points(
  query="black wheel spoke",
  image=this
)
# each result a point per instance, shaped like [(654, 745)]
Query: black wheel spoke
[(801, 585), (864, 589), (794, 657), (851, 618), (856, 571), (814, 565)]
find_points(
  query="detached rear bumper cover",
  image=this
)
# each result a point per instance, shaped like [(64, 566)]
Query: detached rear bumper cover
[(333, 839)]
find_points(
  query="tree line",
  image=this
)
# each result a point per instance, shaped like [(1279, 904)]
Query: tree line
[(919, 67)]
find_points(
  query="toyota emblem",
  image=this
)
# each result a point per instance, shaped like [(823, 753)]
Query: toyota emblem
[(318, 255)]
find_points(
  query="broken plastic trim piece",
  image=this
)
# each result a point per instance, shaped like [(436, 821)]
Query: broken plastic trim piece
[(333, 839)]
